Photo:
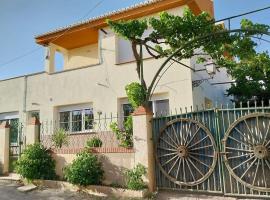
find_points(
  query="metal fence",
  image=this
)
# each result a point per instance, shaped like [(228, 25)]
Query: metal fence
[(79, 135), (210, 150)]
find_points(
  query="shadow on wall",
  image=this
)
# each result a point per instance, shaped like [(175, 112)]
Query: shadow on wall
[(114, 166), (114, 175)]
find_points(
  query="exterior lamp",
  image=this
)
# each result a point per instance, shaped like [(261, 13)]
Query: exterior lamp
[(210, 68)]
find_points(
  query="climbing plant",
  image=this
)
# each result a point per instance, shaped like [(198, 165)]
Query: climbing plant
[(191, 36)]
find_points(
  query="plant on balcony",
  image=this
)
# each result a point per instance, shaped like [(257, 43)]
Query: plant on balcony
[(94, 142), (85, 170), (36, 163), (60, 138), (124, 136)]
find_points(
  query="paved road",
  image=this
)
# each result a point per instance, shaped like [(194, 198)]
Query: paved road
[(10, 192)]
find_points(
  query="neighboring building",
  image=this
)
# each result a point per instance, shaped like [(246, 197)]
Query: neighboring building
[(97, 67)]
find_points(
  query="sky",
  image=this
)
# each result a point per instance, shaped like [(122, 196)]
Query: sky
[(21, 20)]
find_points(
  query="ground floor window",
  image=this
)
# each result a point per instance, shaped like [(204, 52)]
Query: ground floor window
[(158, 107), (77, 120)]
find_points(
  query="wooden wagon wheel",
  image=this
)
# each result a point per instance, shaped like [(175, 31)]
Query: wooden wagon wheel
[(246, 151), (186, 152)]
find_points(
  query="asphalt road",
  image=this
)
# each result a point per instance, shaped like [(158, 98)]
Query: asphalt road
[(10, 192)]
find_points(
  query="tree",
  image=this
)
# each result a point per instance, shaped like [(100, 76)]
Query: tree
[(183, 37)]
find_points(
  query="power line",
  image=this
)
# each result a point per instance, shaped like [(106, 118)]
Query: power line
[(61, 35), (94, 7)]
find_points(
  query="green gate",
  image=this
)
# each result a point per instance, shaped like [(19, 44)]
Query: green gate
[(222, 150), (16, 142)]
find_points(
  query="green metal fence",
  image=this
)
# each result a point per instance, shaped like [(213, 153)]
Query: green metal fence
[(217, 150)]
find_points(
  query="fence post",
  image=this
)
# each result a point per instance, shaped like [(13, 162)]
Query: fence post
[(143, 143), (32, 135), (4, 147)]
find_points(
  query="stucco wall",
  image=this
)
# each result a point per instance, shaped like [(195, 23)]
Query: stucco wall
[(114, 165), (82, 56)]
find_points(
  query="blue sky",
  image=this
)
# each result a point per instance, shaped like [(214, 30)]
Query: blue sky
[(21, 20)]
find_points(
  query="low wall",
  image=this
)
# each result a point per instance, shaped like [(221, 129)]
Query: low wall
[(115, 162)]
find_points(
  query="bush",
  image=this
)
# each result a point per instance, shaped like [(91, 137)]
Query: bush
[(36, 163), (125, 137), (134, 177), (84, 170), (94, 142), (60, 138), (136, 94)]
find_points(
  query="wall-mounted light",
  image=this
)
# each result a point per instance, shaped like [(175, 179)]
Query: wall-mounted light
[(210, 68), (47, 53)]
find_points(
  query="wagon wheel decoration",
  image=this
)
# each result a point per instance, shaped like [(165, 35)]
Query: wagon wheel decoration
[(246, 151), (186, 152)]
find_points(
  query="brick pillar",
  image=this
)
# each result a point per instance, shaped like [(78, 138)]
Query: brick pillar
[(32, 135), (143, 143), (4, 147)]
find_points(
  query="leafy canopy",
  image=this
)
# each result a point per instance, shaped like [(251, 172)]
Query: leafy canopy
[(188, 36)]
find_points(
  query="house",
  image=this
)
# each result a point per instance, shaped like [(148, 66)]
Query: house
[(97, 65)]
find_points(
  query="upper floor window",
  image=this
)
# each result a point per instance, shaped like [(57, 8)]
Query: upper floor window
[(77, 120)]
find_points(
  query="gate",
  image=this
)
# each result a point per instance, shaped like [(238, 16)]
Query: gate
[(221, 150), (16, 142)]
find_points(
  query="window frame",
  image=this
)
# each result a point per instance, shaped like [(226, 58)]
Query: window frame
[(71, 121)]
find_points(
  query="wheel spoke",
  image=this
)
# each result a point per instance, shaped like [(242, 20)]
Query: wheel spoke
[(168, 143), (258, 164), (266, 134), (167, 149), (236, 149), (250, 131), (199, 154), (267, 163), (192, 137), (168, 161), (194, 158), (193, 177), (171, 137), (244, 162), (187, 132), (203, 147), (168, 154), (199, 141), (195, 166), (244, 137), (175, 133), (239, 156), (263, 172), (239, 141), (178, 168), (248, 168), (173, 165)]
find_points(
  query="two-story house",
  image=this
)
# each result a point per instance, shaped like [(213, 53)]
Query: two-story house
[(97, 65)]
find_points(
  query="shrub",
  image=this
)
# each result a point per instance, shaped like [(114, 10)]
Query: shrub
[(36, 163), (60, 138), (136, 94), (134, 177), (124, 136), (94, 142), (84, 170)]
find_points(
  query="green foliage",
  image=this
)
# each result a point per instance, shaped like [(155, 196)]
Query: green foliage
[(252, 77), (94, 142), (182, 36), (84, 170), (124, 136), (36, 163), (135, 177), (136, 94), (130, 30), (60, 138)]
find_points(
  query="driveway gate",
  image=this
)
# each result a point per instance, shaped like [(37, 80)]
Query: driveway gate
[(221, 150)]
